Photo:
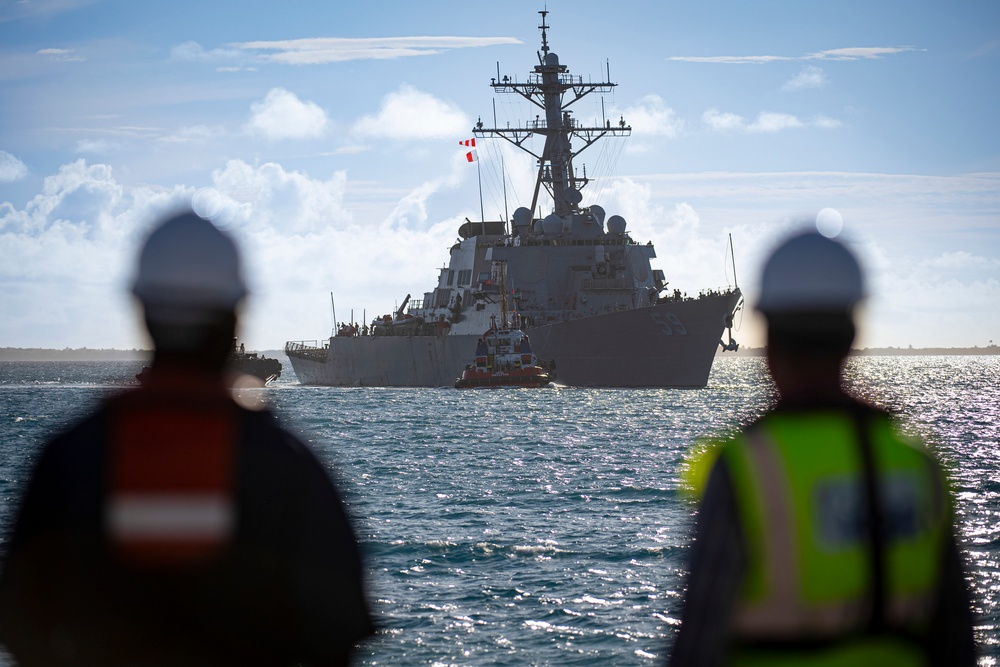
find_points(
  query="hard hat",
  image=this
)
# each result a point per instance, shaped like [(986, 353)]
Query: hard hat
[(187, 266), (810, 273)]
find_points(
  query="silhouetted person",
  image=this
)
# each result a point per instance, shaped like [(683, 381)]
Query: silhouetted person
[(824, 537), (173, 526)]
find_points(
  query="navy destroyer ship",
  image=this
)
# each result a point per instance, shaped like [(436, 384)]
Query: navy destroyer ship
[(582, 288)]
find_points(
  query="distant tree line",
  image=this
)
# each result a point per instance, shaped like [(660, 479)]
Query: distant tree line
[(71, 354)]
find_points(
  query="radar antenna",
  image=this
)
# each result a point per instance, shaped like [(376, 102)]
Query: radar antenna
[(553, 90), (543, 28)]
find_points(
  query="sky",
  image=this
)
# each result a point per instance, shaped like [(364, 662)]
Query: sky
[(325, 137)]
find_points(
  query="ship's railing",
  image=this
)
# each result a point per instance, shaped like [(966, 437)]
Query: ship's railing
[(568, 242), (718, 291), (569, 123), (301, 345), (678, 295), (306, 349), (565, 79), (422, 329)]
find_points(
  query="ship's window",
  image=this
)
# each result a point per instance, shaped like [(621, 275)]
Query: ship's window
[(451, 277), (465, 277), (484, 277)]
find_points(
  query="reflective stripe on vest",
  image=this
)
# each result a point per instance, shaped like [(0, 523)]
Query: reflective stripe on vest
[(170, 495), (797, 531)]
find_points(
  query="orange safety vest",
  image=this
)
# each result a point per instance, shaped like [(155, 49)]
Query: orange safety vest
[(170, 496)]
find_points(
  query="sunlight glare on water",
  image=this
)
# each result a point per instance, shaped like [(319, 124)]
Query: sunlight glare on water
[(544, 527)]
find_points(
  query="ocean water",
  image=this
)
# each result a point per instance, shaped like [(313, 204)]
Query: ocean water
[(545, 527)]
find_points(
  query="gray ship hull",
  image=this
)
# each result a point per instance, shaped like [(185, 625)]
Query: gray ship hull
[(670, 344), (581, 288)]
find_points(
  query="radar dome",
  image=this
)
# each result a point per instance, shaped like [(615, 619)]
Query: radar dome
[(552, 224), (572, 195), (551, 59), (616, 225), (522, 217), (598, 213)]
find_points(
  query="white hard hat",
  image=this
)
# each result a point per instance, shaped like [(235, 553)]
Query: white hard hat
[(187, 266), (810, 273)]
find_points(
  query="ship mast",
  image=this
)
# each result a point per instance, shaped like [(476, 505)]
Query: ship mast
[(547, 88)]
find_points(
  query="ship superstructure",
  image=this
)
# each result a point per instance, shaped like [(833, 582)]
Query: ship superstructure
[(582, 288)]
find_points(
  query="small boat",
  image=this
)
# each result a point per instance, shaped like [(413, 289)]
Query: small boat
[(263, 368), (240, 363), (401, 323), (504, 359)]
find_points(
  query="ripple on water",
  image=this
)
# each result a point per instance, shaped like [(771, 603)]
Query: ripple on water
[(545, 527)]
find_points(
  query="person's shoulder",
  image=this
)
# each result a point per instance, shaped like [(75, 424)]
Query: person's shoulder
[(264, 431), (705, 456), (91, 429), (265, 422)]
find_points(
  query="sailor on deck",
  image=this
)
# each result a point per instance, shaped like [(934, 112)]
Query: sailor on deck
[(824, 537), (173, 526)]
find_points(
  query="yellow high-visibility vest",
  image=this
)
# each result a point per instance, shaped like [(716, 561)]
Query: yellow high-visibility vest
[(809, 595)]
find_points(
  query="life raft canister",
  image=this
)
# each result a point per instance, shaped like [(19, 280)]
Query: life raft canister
[(170, 498)]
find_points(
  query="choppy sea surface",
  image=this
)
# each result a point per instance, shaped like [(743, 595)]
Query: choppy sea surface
[(545, 527)]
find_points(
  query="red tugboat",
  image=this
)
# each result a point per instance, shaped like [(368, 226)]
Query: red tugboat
[(504, 359), (503, 354)]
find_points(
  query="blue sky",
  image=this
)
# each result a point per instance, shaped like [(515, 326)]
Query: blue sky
[(325, 137)]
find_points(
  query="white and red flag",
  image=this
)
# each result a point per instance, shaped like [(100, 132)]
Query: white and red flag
[(471, 143), (472, 156)]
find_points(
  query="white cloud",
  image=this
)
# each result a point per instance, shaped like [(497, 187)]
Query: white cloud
[(269, 197), (722, 122), (97, 146), (282, 115), (338, 49), (860, 53), (412, 114), (921, 295), (195, 52), (730, 60), (11, 169), (193, 134), (767, 122), (849, 53), (71, 250), (61, 55), (66, 262), (962, 261), (651, 117), (825, 123), (810, 77), (771, 122), (322, 50)]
